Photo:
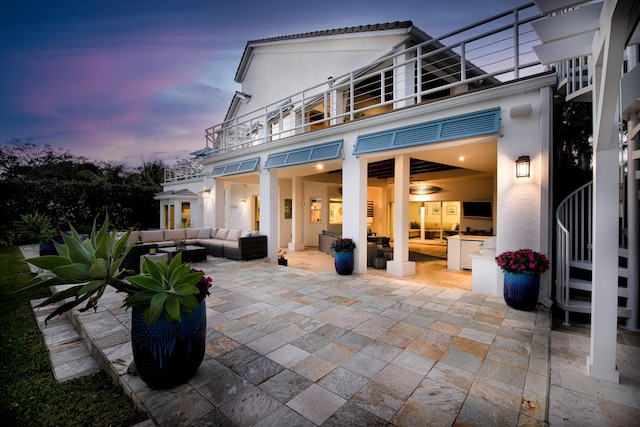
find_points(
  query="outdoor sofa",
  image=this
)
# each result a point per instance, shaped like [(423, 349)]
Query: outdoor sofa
[(228, 243)]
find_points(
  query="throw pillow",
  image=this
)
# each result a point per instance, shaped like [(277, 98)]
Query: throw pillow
[(234, 234), (204, 233), (222, 233)]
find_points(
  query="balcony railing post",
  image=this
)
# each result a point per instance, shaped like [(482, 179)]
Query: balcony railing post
[(516, 45), (351, 97)]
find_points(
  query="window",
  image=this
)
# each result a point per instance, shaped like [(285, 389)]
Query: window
[(185, 214), (335, 211), (168, 216), (315, 206)]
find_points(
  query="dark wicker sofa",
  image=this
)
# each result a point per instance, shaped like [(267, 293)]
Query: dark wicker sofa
[(234, 244)]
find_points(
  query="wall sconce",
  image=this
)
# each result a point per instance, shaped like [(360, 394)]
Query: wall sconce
[(243, 202), (523, 167), (522, 110), (206, 193)]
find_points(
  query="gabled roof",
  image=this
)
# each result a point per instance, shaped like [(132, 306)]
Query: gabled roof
[(246, 55), (183, 192)]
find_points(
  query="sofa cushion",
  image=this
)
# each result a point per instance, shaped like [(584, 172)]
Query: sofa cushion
[(177, 234), (234, 234), (255, 233), (134, 236), (415, 225), (222, 233), (204, 233), (192, 233), (246, 234), (147, 236)]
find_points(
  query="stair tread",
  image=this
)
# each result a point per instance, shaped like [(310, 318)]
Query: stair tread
[(585, 285), (579, 306), (580, 284), (585, 265)]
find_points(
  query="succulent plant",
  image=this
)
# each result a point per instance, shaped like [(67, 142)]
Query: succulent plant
[(89, 266), (164, 289)]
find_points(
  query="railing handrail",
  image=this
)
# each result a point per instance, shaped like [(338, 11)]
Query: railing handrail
[(565, 239)]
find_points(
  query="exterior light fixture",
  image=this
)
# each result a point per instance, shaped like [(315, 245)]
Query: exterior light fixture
[(243, 202), (523, 167), (206, 193)]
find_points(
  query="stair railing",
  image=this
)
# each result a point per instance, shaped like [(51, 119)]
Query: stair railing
[(573, 238)]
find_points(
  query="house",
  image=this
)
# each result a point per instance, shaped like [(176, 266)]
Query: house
[(384, 129)]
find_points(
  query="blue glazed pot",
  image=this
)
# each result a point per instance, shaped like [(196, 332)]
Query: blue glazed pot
[(521, 290), (344, 262), (168, 353)]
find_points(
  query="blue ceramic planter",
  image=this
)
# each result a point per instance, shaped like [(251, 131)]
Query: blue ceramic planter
[(344, 262), (521, 290), (168, 353)]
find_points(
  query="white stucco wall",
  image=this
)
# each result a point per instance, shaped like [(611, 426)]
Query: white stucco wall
[(300, 64)]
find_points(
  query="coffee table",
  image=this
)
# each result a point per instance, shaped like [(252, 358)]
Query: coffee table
[(189, 253)]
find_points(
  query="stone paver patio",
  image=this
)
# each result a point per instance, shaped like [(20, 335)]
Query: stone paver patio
[(292, 347)]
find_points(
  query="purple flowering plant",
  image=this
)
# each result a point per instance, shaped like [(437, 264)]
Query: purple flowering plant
[(203, 285), (343, 244), (523, 261)]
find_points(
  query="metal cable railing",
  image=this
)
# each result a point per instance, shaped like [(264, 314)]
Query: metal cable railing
[(493, 51)]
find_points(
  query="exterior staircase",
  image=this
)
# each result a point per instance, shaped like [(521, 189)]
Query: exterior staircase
[(574, 256)]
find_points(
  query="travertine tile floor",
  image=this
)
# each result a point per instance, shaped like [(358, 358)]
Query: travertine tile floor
[(291, 346)]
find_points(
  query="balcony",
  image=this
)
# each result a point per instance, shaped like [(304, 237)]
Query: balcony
[(183, 170), (485, 54)]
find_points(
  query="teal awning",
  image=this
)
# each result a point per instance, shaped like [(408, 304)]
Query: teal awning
[(235, 168), (467, 125), (316, 153)]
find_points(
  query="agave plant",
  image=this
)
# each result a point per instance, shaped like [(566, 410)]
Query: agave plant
[(89, 266), (34, 227), (164, 289)]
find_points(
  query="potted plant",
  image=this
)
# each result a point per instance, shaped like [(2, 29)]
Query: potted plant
[(281, 258), (522, 270), (169, 323), (37, 227), (343, 255), (166, 300)]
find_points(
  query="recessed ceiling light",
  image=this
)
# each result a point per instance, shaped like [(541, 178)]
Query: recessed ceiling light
[(319, 167), (461, 158)]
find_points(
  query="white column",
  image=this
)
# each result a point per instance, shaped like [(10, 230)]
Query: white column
[(269, 202), (217, 199), (404, 79), (606, 66), (401, 266), (354, 207), (601, 362), (297, 216)]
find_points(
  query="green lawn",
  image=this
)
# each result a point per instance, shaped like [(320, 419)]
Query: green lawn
[(29, 395)]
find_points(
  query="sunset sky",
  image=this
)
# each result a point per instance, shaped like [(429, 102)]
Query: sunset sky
[(128, 81)]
